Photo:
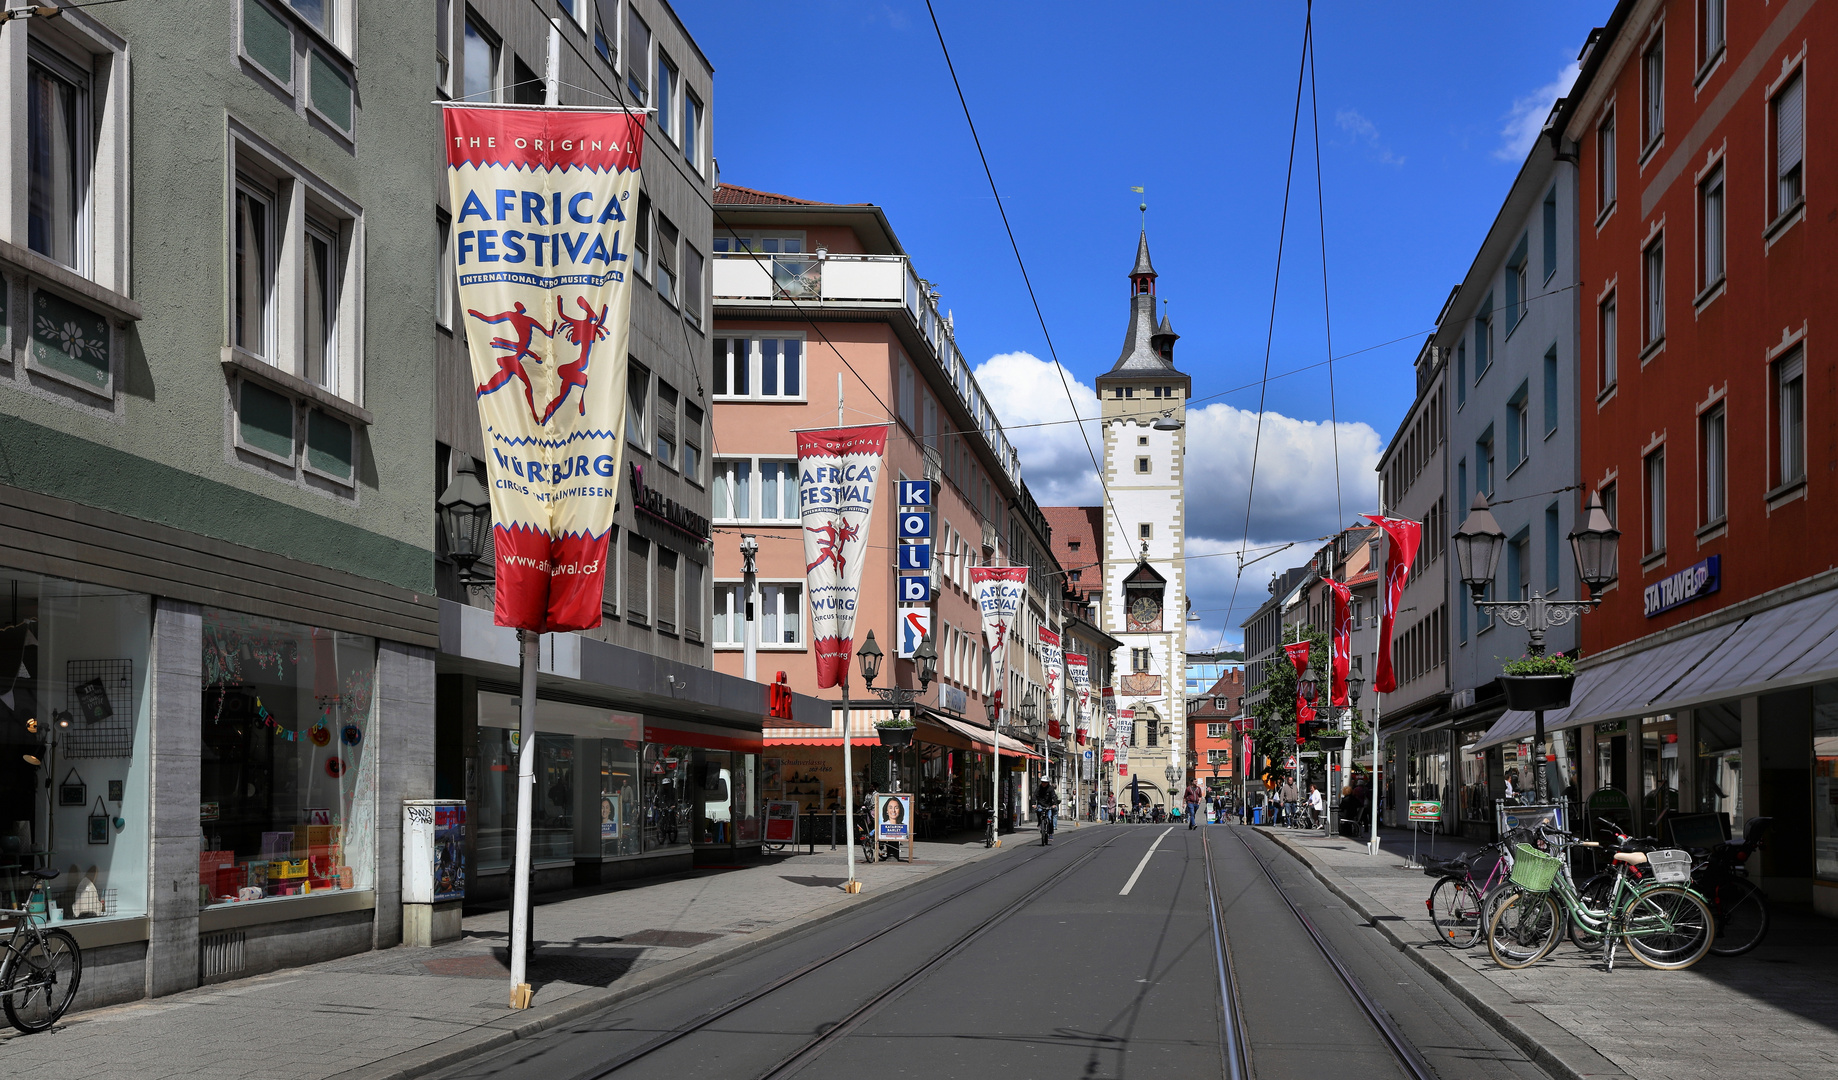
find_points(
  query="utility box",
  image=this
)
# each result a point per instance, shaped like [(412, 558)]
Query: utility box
[(433, 870)]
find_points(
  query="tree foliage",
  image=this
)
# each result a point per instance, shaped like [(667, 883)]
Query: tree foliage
[(1273, 734)]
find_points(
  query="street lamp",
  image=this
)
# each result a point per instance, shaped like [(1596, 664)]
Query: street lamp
[(1594, 545), (870, 656), (925, 658), (464, 512)]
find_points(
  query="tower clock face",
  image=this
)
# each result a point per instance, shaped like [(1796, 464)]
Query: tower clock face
[(1145, 611)]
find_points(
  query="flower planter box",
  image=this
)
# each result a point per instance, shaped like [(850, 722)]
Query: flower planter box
[(898, 738), (1531, 693)]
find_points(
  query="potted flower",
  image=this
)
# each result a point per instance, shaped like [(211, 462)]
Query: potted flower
[(1538, 683), (896, 732)]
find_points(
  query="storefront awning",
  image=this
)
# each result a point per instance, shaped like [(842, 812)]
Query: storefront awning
[(1794, 644), (982, 737)]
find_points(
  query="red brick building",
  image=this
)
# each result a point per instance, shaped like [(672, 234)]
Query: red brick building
[(1209, 732), (1709, 418)]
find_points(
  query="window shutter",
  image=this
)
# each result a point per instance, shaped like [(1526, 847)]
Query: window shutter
[(692, 601), (666, 589), (637, 575), (1789, 126), (609, 585)]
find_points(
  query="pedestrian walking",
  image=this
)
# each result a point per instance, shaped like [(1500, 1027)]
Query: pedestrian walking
[(1193, 796), (1289, 803), (1316, 807)]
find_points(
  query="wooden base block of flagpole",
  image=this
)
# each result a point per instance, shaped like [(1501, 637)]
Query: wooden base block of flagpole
[(852, 887), (521, 995)]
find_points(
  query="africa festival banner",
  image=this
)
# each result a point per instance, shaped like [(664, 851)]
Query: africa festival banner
[(837, 470), (1051, 664), (1298, 656), (541, 200), (1342, 665), (998, 591), (1078, 677), (1404, 537)]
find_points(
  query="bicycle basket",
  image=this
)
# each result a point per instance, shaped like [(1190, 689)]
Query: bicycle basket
[(1533, 870), (1669, 865)]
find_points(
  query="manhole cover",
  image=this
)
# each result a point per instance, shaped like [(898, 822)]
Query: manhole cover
[(468, 967), (670, 939)]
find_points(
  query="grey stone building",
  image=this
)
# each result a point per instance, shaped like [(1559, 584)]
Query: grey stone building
[(1510, 334), (216, 565)]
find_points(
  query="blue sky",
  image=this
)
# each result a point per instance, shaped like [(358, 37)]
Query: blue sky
[(1423, 109)]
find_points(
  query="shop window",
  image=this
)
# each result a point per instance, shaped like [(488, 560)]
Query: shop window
[(1824, 781), (668, 803), (287, 772), (621, 809), (74, 747)]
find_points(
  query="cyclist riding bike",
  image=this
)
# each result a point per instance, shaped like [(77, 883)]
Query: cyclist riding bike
[(1046, 806)]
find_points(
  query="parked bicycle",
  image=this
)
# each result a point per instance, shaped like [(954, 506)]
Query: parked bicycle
[(1663, 921), (1456, 900), (41, 968), (1720, 875)]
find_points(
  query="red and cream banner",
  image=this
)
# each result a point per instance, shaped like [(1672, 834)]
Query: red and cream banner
[(541, 205), (1342, 665), (1078, 677), (998, 591), (1400, 553), (837, 470), (1298, 658), (1052, 663)]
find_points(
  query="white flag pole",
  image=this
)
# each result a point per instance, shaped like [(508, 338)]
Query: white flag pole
[(526, 795)]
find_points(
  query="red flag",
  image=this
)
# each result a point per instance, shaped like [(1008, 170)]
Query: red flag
[(1298, 656), (1342, 641), (1404, 536)]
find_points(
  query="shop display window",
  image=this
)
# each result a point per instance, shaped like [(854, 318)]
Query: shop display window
[(1718, 777), (620, 805), (73, 746), (288, 779), (669, 805), (1658, 766), (1824, 781), (552, 816), (1475, 802)]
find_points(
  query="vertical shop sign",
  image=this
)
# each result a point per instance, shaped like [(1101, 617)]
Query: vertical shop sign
[(540, 242), (915, 589), (837, 470)]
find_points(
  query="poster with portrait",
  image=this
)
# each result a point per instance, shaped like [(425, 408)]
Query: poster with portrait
[(610, 813), (893, 815)]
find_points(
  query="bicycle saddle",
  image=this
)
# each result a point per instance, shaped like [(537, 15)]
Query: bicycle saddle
[(1632, 858), (45, 874)]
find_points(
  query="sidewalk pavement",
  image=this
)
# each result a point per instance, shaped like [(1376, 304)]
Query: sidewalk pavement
[(405, 1012), (1770, 1014)]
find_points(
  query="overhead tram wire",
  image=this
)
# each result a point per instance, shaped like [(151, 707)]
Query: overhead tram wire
[(1327, 318), (1270, 336), (1019, 261)]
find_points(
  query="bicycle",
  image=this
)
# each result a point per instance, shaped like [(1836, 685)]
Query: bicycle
[(1455, 902), (1720, 875), (1666, 924), (1046, 814), (41, 969)]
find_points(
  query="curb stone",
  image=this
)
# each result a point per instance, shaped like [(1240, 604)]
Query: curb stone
[(1546, 1042), (491, 1035)]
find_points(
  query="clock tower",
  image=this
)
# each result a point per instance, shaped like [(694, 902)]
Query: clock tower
[(1144, 401)]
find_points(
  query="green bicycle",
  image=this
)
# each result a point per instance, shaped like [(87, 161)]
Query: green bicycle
[(1665, 923), (39, 968)]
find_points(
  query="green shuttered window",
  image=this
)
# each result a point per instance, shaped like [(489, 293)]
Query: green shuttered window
[(268, 42), (266, 421), (331, 92), (328, 445)]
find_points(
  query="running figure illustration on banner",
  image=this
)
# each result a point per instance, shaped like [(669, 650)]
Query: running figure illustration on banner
[(838, 470), (998, 591)]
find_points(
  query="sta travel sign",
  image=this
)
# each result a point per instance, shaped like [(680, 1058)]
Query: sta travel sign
[(1687, 585)]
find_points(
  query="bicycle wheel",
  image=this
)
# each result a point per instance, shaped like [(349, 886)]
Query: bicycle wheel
[(1595, 895), (1668, 927), (1523, 929), (40, 979), (1455, 909), (1742, 916)]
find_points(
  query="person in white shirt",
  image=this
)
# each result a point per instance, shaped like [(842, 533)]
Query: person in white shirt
[(1315, 805)]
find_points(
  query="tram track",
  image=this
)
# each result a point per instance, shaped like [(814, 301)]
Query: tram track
[(1408, 1057), (793, 1062)]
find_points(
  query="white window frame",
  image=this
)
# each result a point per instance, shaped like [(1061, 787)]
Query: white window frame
[(1790, 364), (730, 599), (1781, 212), (755, 360), (446, 289), (297, 198), (665, 96), (1653, 519), (1713, 36), (692, 140), (722, 466), (1653, 291), (1713, 464), (1607, 176), (494, 45), (1713, 229), (247, 188), (1653, 92), (1608, 340), (329, 236)]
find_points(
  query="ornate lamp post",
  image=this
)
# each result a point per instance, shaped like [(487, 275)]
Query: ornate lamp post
[(898, 698), (1595, 545), (1333, 744)]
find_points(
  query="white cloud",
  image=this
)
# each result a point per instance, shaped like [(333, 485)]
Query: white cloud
[(1364, 130), (1527, 116), (1295, 497)]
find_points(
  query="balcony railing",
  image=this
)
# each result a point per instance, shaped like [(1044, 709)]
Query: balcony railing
[(744, 275)]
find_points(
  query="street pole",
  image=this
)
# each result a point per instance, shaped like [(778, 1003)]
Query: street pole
[(1373, 799), (848, 773), (530, 642), (749, 549)]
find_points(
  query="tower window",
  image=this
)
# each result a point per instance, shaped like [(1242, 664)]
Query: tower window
[(1123, 392), (1145, 531), (1142, 440), (1142, 464)]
